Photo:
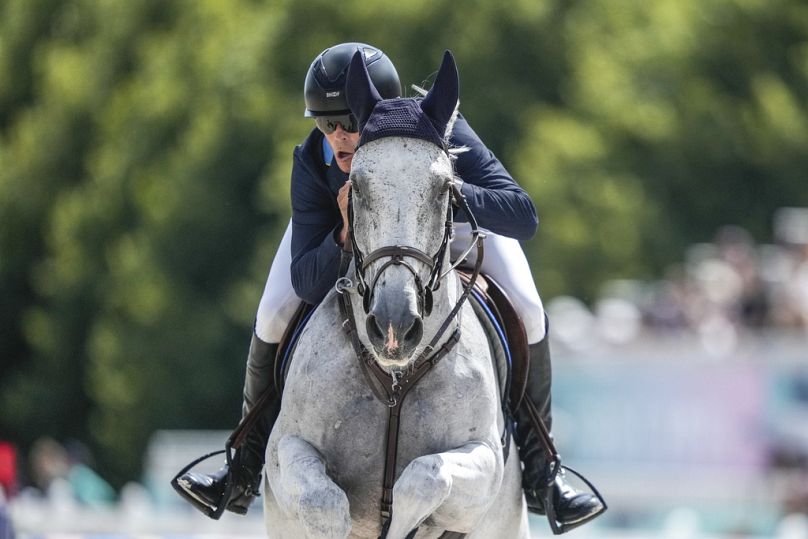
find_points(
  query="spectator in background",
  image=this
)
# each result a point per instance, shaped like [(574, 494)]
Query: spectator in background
[(790, 293), (51, 462), (6, 529), (801, 286), (724, 288), (8, 486), (737, 249), (8, 469)]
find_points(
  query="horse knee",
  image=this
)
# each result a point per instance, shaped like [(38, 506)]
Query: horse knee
[(425, 480), (325, 513)]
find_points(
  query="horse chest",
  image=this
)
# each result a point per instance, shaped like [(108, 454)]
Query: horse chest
[(336, 412), (328, 403)]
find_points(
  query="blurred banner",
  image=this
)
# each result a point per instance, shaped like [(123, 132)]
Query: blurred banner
[(663, 427)]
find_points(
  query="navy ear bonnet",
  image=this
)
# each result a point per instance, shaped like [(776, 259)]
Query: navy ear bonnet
[(400, 117), (424, 119)]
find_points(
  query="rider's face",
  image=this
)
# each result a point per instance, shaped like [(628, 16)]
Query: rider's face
[(344, 144)]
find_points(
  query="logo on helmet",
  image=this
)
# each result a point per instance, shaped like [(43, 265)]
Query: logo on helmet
[(332, 94)]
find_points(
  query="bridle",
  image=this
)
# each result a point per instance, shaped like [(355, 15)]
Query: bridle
[(391, 387), (399, 253)]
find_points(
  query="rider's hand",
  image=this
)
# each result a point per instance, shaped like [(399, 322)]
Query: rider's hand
[(342, 202)]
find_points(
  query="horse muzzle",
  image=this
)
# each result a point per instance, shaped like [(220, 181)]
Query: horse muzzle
[(394, 336)]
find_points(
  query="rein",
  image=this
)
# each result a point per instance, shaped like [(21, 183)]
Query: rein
[(392, 387)]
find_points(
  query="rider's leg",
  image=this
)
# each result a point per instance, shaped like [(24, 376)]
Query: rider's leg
[(277, 307), (506, 263)]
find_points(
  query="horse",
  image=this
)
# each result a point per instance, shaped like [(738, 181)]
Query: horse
[(345, 432)]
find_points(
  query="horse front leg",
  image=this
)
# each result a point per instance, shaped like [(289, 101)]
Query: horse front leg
[(453, 489), (304, 491)]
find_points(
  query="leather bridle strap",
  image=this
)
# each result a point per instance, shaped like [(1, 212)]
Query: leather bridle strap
[(398, 251), (395, 390)]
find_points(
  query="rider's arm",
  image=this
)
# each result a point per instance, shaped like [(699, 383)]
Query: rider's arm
[(316, 223), (498, 203)]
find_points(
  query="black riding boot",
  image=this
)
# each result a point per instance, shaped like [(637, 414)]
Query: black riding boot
[(248, 460), (570, 507)]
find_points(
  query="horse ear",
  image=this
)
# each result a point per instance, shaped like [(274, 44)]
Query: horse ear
[(361, 93), (441, 101)]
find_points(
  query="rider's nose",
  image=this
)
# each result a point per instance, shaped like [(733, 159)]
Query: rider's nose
[(340, 132)]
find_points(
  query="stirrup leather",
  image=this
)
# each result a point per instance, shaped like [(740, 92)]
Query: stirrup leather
[(555, 467), (236, 440)]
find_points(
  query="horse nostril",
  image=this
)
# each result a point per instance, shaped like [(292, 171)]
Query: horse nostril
[(414, 334), (374, 331)]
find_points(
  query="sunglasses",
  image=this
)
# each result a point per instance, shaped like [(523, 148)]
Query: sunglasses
[(328, 124)]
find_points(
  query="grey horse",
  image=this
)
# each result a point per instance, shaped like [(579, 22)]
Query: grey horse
[(327, 452)]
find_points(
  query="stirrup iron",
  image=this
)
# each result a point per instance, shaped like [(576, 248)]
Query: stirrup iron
[(214, 512)]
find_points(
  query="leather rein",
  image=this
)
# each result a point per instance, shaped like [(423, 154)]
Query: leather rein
[(392, 387)]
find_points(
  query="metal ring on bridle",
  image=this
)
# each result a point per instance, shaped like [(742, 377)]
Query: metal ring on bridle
[(343, 285)]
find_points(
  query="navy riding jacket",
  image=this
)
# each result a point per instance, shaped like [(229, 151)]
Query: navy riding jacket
[(496, 200)]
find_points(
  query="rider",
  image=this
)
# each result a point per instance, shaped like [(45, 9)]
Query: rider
[(309, 255)]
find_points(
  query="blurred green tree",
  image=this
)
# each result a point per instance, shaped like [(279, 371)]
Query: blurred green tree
[(139, 216), (674, 118)]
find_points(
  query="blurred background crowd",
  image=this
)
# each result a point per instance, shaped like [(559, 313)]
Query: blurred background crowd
[(720, 291), (145, 154)]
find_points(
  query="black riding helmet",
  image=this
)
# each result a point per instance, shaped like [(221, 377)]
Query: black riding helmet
[(324, 89)]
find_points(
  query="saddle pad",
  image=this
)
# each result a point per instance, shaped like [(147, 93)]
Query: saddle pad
[(502, 310), (497, 341), (289, 341)]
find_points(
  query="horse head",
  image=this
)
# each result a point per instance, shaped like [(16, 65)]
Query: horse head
[(400, 206)]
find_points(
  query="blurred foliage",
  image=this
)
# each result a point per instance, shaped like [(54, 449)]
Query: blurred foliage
[(145, 154)]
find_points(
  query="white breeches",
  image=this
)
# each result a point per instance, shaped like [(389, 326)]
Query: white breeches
[(279, 302), (504, 260)]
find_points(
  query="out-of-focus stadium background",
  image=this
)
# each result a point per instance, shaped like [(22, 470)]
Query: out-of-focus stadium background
[(145, 152)]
